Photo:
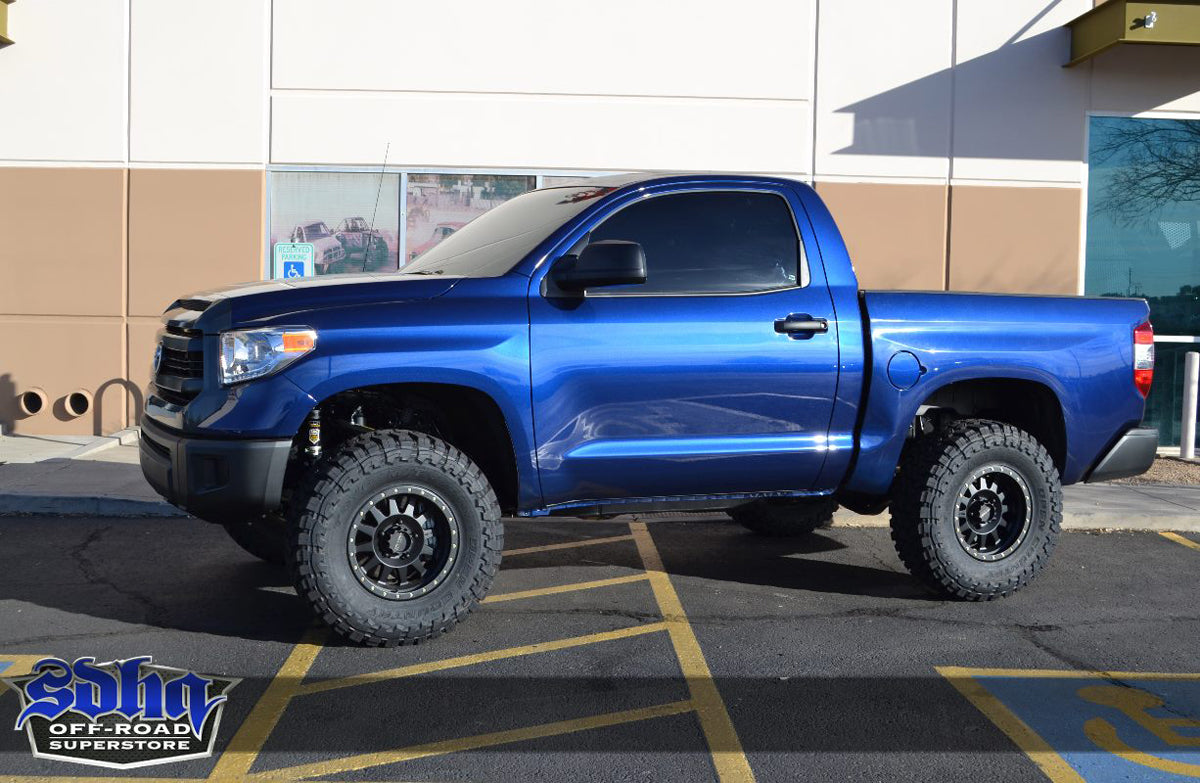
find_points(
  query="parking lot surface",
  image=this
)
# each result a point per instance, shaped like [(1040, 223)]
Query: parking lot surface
[(667, 648)]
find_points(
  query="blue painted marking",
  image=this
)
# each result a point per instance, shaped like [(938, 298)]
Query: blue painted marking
[(4, 665), (1059, 710)]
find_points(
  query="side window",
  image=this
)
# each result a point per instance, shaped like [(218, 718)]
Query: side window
[(713, 242)]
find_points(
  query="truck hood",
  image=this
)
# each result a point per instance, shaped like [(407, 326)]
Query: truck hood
[(247, 304)]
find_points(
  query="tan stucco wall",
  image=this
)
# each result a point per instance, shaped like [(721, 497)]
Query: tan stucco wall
[(1014, 239), (89, 257), (896, 234)]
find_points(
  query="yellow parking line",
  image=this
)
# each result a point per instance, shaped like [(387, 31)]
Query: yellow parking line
[(620, 580), (1039, 751), (247, 743), (728, 756), (1178, 539), (568, 545), (442, 747), (966, 671), (18, 665), (469, 660)]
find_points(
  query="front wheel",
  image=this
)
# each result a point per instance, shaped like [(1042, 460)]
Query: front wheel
[(395, 538), (976, 510)]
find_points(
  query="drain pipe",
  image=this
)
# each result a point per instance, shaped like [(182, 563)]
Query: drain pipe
[(1191, 393), (78, 402), (32, 401)]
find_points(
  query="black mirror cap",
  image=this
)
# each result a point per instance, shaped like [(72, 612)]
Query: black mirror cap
[(604, 263)]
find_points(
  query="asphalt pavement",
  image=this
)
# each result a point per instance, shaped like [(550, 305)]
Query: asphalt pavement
[(657, 649)]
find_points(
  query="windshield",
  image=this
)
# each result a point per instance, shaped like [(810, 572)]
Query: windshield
[(316, 230), (494, 242)]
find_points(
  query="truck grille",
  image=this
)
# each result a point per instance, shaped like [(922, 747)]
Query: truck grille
[(180, 373)]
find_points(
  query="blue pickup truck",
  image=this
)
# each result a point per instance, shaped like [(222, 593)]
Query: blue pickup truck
[(630, 344)]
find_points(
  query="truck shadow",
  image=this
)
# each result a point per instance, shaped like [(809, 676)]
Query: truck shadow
[(185, 575), (719, 550)]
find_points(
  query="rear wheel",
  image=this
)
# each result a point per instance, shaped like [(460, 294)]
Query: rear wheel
[(785, 517), (395, 538), (977, 509), (264, 537)]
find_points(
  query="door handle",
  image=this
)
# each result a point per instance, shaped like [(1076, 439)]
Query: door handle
[(801, 325)]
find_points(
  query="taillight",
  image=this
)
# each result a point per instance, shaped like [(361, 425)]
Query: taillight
[(1143, 357)]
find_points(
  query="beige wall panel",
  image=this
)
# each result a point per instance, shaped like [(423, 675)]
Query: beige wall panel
[(187, 104), (61, 355), (523, 131), (142, 335), (896, 234), (700, 48), (62, 241), (1014, 240), (62, 85), (1018, 114), (1133, 79), (190, 230), (883, 88)]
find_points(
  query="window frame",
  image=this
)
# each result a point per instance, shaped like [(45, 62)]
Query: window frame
[(804, 274)]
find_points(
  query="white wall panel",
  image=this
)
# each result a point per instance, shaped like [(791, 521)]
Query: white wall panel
[(1147, 78), (883, 88), (454, 130), (197, 86), (706, 48), (62, 84), (1018, 114)]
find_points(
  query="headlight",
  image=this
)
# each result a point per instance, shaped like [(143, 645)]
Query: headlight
[(253, 353)]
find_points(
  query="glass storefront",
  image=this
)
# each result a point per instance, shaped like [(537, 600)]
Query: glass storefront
[(352, 220), (1143, 238), (437, 205)]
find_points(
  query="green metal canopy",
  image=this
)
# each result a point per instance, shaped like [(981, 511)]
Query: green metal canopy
[(4, 39), (1175, 22)]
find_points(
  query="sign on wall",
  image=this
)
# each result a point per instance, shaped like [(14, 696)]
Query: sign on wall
[(293, 259)]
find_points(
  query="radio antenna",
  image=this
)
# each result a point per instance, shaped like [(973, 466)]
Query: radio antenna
[(378, 191)]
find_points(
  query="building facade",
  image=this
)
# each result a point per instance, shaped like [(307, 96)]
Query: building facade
[(149, 149)]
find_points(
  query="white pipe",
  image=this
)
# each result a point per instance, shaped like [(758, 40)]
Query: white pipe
[(1191, 391)]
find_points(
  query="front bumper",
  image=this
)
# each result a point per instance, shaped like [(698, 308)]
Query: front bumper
[(1132, 455), (220, 480)]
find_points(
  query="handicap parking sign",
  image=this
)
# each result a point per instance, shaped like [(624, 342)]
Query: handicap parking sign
[(1094, 726), (293, 260)]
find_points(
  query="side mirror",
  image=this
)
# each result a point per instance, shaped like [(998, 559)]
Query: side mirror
[(604, 263)]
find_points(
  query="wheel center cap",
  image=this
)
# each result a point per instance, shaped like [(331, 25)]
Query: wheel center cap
[(399, 544), (983, 516)]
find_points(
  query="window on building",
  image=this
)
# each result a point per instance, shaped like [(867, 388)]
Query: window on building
[(731, 242), (1143, 238), (351, 219)]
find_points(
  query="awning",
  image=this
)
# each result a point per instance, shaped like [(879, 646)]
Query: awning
[(4, 39), (1116, 22)]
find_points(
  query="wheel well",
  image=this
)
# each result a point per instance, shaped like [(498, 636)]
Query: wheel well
[(1028, 405), (466, 418)]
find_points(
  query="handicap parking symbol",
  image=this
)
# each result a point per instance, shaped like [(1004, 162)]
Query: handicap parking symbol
[(1094, 727), (293, 260)]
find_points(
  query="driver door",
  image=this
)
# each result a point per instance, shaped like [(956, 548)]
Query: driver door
[(683, 386)]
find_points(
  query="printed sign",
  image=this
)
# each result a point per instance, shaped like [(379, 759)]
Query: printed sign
[(120, 714), (293, 259)]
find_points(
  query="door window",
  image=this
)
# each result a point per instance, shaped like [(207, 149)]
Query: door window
[(730, 242)]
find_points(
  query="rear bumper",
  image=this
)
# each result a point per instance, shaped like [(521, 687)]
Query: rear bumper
[(1132, 455), (215, 479)]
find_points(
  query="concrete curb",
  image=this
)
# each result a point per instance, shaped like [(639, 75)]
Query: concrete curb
[(125, 437), (1185, 523), (23, 504), (30, 504)]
